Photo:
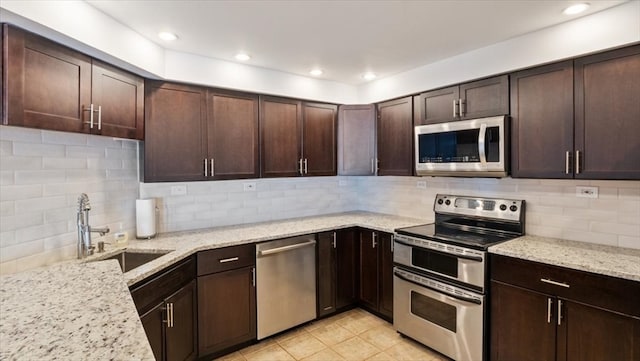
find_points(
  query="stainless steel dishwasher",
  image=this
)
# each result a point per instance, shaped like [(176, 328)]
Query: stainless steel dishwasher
[(286, 284)]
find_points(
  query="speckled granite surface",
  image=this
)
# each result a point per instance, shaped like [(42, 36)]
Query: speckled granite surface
[(80, 311), (183, 244), (606, 260)]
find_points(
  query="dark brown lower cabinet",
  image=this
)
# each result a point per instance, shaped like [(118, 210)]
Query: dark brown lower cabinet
[(167, 307), (226, 299), (582, 316), (376, 272), (337, 257)]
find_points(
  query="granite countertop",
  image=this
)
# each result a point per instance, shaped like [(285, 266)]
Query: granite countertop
[(80, 311), (605, 260), (183, 244)]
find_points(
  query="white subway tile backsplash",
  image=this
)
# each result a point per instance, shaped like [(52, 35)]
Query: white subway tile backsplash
[(38, 150), (616, 228), (69, 139), (64, 163), (84, 152), (20, 134), (6, 148), (39, 177), (21, 250), (13, 222), (21, 162)]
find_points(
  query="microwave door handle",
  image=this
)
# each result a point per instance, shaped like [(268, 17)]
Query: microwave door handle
[(481, 140)]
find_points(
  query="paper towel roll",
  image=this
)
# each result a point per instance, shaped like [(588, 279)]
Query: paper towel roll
[(145, 218)]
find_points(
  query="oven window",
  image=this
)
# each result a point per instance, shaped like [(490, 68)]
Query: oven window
[(449, 147), (434, 311), (435, 261)]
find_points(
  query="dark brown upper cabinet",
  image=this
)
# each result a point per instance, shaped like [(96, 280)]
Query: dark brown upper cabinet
[(395, 137), (297, 139), (49, 86), (232, 135), (482, 98), (357, 139), (542, 121), (578, 119), (175, 147), (607, 115), (200, 134)]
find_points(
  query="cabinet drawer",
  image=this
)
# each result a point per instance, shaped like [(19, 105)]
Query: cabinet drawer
[(148, 292), (612, 293), (224, 259)]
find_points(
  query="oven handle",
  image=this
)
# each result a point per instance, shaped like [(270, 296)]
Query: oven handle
[(470, 258), (481, 141), (459, 298)]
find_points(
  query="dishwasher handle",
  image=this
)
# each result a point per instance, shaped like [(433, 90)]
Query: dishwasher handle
[(291, 247)]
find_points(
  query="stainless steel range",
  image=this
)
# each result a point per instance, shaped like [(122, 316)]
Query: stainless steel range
[(440, 274)]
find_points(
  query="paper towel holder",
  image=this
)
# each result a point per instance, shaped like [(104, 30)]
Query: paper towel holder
[(146, 218)]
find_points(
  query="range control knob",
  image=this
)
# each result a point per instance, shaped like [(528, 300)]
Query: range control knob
[(440, 201), (447, 202), (513, 208), (503, 207)]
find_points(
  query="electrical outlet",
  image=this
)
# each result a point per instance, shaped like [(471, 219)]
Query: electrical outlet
[(249, 186), (342, 183), (120, 237), (421, 184), (587, 192), (178, 190)]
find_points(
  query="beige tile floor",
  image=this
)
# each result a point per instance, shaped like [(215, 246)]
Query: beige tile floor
[(355, 335)]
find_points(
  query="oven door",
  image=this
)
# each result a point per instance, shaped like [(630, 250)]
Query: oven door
[(450, 320), (467, 147), (467, 268)]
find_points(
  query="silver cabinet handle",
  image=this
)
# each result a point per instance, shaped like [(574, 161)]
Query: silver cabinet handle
[(577, 162), (253, 276), (567, 158), (393, 240), (306, 168), (206, 171), (169, 309), (300, 170), (462, 106), (549, 303), (91, 111), (225, 260), (373, 170), (374, 241), (559, 312), (327, 308), (455, 105), (481, 141), (99, 117), (213, 169), (561, 284), (334, 240)]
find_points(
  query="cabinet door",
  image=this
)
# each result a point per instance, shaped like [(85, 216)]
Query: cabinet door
[(523, 324), (280, 129), (347, 259), (319, 138), (226, 310), (326, 263), (607, 115), (386, 274), (120, 96), (153, 322), (395, 137), (232, 129), (181, 334), (485, 98), (591, 334), (369, 269), (438, 106), (175, 148), (542, 122), (356, 139), (47, 86)]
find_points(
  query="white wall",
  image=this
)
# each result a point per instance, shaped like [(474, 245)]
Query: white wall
[(610, 28), (42, 174)]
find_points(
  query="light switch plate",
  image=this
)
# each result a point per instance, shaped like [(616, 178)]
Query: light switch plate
[(178, 190), (421, 184), (587, 192)]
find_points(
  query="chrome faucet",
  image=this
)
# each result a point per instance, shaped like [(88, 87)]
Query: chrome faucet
[(85, 248)]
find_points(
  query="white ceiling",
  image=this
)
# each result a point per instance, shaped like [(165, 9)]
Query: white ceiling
[(343, 38)]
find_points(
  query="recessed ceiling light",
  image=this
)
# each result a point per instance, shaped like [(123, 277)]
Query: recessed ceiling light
[(575, 9), (242, 57), (167, 36), (316, 72), (369, 76)]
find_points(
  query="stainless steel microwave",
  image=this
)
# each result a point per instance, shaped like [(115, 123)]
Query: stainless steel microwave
[(467, 148)]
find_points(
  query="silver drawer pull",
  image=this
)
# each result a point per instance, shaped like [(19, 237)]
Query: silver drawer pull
[(225, 260), (561, 284)]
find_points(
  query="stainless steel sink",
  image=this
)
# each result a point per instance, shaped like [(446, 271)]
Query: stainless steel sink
[(131, 259)]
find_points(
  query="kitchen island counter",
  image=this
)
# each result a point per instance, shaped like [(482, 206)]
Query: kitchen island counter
[(601, 259)]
